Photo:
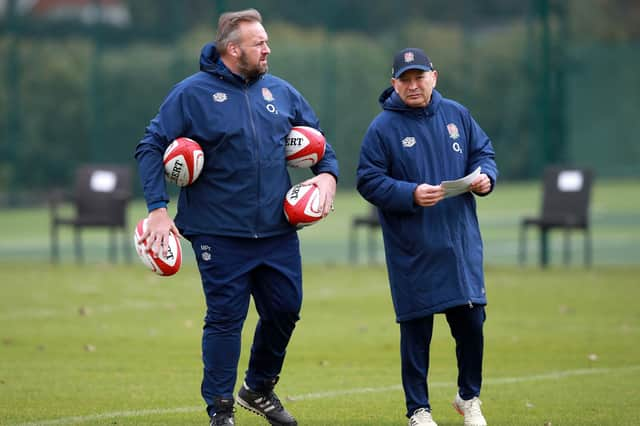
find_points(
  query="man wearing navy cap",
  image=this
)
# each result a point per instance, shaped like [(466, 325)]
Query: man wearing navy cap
[(433, 247)]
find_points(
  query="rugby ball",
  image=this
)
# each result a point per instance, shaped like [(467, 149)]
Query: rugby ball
[(183, 161), (304, 146), (161, 265), (302, 205)]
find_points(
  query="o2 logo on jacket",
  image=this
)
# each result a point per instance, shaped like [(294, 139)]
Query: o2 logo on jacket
[(272, 109)]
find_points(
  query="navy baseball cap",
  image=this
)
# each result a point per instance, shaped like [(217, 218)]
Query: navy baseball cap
[(410, 58)]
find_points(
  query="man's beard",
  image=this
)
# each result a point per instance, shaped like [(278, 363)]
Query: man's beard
[(250, 72)]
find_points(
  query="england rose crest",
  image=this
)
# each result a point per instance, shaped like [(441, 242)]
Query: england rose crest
[(453, 131)]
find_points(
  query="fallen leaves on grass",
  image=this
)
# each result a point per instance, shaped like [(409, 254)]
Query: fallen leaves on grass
[(84, 311)]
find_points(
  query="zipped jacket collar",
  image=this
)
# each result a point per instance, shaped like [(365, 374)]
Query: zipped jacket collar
[(211, 62), (390, 100)]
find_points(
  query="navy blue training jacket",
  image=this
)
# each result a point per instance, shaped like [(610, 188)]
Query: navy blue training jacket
[(241, 128), (433, 254)]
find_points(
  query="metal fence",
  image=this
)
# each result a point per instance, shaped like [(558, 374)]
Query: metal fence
[(80, 86)]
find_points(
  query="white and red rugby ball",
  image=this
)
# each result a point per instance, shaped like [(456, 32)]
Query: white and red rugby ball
[(302, 205), (304, 146), (183, 161), (161, 265)]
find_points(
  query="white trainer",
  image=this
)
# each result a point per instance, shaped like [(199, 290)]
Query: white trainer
[(470, 409), (422, 417)]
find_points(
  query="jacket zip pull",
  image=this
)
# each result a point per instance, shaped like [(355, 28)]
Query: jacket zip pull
[(470, 305)]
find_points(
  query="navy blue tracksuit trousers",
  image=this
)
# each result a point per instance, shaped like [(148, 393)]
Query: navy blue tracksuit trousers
[(232, 270), (466, 325)]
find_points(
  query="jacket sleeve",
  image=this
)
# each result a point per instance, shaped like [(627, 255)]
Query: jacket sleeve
[(373, 178), (481, 152), (305, 116), (167, 125)]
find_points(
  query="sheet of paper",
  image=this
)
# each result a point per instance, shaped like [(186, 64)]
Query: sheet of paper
[(459, 186)]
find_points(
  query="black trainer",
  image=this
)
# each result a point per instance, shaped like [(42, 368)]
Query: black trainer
[(266, 404), (223, 415)]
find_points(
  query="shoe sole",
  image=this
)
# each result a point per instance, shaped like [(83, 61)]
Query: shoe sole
[(244, 404), (454, 405)]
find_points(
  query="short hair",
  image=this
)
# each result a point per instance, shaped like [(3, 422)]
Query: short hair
[(228, 26)]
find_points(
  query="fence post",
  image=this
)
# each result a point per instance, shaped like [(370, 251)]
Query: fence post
[(13, 131), (96, 129)]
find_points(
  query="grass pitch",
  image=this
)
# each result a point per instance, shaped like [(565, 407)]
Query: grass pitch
[(105, 345), (102, 344)]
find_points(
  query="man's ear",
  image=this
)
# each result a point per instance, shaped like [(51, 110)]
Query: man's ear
[(232, 49)]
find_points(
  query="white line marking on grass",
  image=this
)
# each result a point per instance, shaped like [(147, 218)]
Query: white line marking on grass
[(555, 375), (497, 381)]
